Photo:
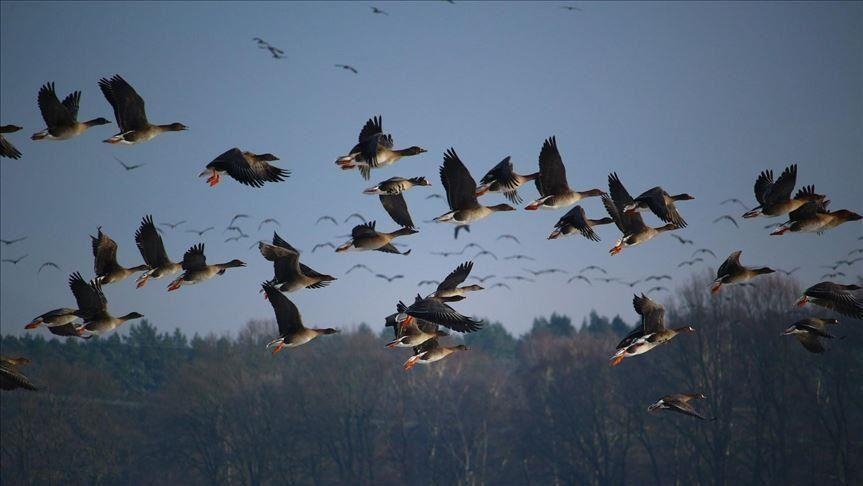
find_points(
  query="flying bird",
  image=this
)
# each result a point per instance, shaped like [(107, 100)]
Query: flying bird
[(519, 257), (377, 10), (347, 68), (809, 330), (428, 282), (732, 272), (571, 8), (434, 196), (788, 273), (387, 278), (268, 220), (729, 218), (774, 198), (844, 299), (657, 288), (593, 267), (292, 332), (327, 218), (48, 264), (10, 242), (356, 215), (682, 240), (833, 275), (238, 216), (365, 237), (679, 403), (579, 277), (449, 290), (61, 118), (635, 232), (245, 167), (129, 113), (128, 167), (485, 252), (323, 245), (650, 334), (629, 284), (6, 148), (152, 249), (502, 178), (735, 200), (500, 284), (460, 189), (196, 269), (374, 150), (172, 225), (704, 250), (537, 273), (690, 262), (359, 265), (552, 184), (11, 378), (576, 220), (519, 277), (482, 279), (460, 227), (508, 236), (93, 306), (200, 232), (15, 260), (661, 204), (236, 238), (290, 275)]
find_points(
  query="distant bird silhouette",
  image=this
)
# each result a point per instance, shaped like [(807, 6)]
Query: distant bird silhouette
[(377, 10), (268, 220), (428, 282), (323, 245), (172, 225), (729, 218), (704, 250), (849, 262), (832, 267), (359, 265), (465, 227), (508, 236), (658, 278), (447, 253), (128, 166), (579, 277), (347, 67), (234, 228), (571, 8), (355, 215), (14, 261), (327, 218), (48, 264), (682, 240), (657, 288), (690, 262), (472, 245), (276, 52), (238, 216), (592, 267), (833, 275), (200, 232), (500, 284), (519, 277), (788, 272), (16, 240), (857, 250), (735, 200), (519, 257), (236, 238), (630, 284), (389, 279), (434, 196), (482, 279), (537, 273), (606, 279), (485, 252)]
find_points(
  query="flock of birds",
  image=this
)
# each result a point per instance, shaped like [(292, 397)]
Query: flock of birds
[(417, 325)]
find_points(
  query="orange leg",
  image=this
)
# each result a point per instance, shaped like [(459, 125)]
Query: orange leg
[(142, 281), (617, 360), (715, 287)]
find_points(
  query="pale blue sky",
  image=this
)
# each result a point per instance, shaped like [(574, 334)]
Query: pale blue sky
[(696, 97)]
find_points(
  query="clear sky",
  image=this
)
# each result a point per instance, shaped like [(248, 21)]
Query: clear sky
[(696, 97)]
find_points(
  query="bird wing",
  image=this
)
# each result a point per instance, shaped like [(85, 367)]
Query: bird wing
[(11, 378), (279, 241), (810, 342), (732, 262), (287, 315), (8, 150), (685, 408), (397, 208), (782, 188), (194, 258), (372, 127), (150, 244), (104, 253), (459, 185), (762, 185), (128, 105), (71, 104), (837, 297), (89, 296), (652, 314), (552, 173), (662, 206), (577, 218), (435, 311), (390, 248), (456, 277), (364, 230), (54, 113)]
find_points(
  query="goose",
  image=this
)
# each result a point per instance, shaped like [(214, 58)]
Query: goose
[(374, 150), (290, 274), (449, 291), (436, 311), (412, 335), (774, 198), (635, 232), (732, 272), (62, 118), (460, 190), (551, 183), (10, 377), (814, 217), (502, 178), (6, 148), (365, 237), (650, 334), (129, 113), (576, 220), (153, 252), (105, 260), (661, 204), (197, 270), (93, 307), (245, 167), (292, 332), (809, 330), (679, 403), (431, 351), (844, 299)]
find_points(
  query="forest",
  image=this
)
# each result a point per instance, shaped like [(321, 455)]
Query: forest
[(151, 407)]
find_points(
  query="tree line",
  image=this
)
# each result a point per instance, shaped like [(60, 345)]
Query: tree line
[(545, 408)]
